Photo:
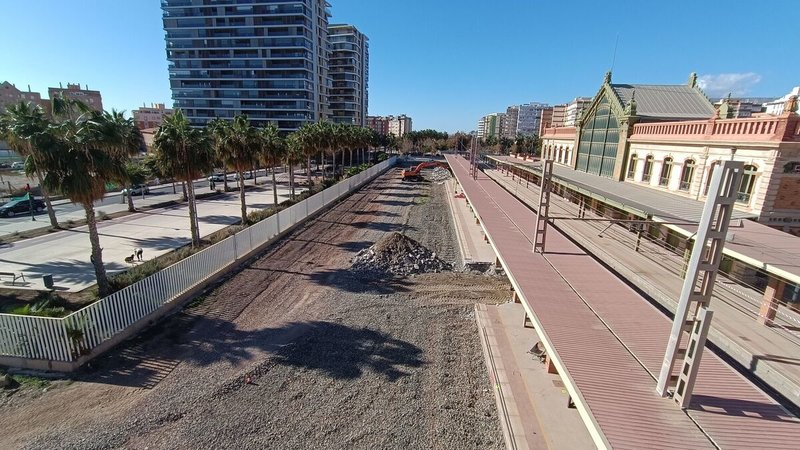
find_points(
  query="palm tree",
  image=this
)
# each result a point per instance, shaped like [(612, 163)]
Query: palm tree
[(135, 173), (78, 158), (184, 153), (18, 126), (293, 156), (306, 140), (273, 151), (241, 151), (219, 129), (130, 144)]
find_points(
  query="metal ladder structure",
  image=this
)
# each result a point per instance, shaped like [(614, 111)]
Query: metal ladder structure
[(543, 210), (698, 286)]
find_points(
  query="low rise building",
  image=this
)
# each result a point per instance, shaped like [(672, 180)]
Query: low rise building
[(378, 124), (73, 91), (671, 137), (150, 117), (9, 95), (776, 107)]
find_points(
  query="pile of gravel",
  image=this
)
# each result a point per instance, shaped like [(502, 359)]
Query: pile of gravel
[(400, 255), (440, 175)]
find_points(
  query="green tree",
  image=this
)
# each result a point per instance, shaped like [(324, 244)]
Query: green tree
[(19, 124), (135, 173), (241, 144), (273, 151), (79, 157), (184, 153), (293, 156), (219, 129)]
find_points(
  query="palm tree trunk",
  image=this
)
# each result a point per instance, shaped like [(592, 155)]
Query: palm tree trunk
[(351, 157), (183, 186), (321, 158), (173, 188), (192, 214), (46, 197), (333, 175), (225, 180), (274, 188), (308, 168), (131, 208), (291, 180), (103, 287), (241, 198)]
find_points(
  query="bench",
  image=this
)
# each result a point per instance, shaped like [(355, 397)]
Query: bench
[(15, 276)]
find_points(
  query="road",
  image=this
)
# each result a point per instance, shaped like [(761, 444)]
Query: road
[(113, 202)]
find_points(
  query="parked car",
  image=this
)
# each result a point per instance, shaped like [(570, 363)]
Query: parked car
[(220, 177), (247, 176), (17, 207), (136, 190), (18, 165), (5, 165)]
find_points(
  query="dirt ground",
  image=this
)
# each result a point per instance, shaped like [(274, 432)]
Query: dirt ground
[(296, 351)]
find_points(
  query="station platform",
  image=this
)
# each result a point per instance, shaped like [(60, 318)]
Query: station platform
[(607, 343)]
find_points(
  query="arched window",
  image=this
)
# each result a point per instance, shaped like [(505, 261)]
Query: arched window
[(747, 185), (632, 166), (687, 174), (666, 172), (710, 174), (648, 168), (596, 152)]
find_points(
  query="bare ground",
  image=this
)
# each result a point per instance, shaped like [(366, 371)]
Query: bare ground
[(295, 351)]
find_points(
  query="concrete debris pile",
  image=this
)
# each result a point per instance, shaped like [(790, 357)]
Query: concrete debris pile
[(439, 175), (400, 255)]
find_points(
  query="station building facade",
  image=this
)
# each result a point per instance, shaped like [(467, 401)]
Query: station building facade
[(671, 137)]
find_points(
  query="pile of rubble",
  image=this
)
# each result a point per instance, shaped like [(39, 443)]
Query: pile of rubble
[(439, 175), (399, 255)]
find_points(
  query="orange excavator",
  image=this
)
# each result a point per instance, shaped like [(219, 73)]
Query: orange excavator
[(415, 173)]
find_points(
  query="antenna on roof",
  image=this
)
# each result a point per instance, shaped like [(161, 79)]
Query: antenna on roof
[(614, 58)]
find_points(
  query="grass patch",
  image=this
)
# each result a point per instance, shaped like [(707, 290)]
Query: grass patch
[(44, 304), (197, 301), (31, 381)]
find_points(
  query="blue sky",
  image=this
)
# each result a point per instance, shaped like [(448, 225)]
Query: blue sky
[(443, 62)]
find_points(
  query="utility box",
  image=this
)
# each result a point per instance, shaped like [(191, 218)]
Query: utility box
[(48, 281)]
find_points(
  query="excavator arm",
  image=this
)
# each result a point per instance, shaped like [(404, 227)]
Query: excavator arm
[(415, 173)]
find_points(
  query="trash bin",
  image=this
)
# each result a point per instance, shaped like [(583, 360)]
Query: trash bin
[(48, 281)]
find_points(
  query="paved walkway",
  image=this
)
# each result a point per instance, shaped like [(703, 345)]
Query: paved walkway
[(772, 353), (474, 248), (65, 254), (530, 400), (607, 343)]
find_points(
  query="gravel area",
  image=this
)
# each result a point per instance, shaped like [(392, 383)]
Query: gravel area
[(297, 351)]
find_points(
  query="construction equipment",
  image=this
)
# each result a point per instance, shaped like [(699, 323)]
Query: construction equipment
[(414, 173)]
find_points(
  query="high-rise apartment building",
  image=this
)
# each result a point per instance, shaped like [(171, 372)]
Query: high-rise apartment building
[(265, 58), (575, 109), (509, 127), (396, 125), (399, 125), (349, 72), (73, 91), (529, 118), (378, 124), (559, 115), (151, 117)]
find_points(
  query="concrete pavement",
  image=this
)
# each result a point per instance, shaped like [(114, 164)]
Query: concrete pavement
[(65, 254), (113, 202)]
